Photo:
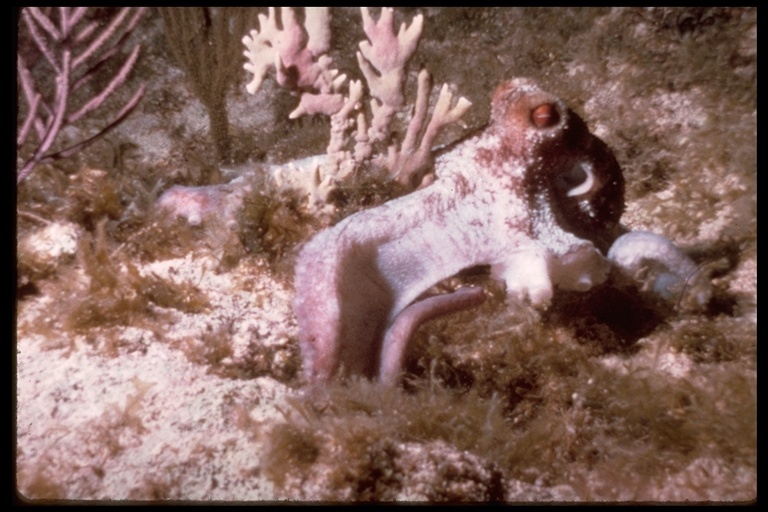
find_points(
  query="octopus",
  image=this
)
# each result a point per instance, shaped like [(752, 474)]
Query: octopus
[(534, 196)]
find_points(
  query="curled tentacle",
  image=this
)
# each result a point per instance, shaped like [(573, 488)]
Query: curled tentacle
[(406, 323)]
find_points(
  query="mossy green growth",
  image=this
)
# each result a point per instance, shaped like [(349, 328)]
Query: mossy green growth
[(118, 293), (351, 430), (272, 224), (291, 447), (615, 423)]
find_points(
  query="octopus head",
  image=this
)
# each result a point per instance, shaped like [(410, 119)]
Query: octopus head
[(573, 180)]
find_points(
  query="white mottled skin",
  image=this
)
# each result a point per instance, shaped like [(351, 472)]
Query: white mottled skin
[(196, 204), (535, 196), (192, 203), (355, 279)]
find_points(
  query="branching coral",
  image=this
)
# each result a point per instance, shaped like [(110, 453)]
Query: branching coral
[(298, 55), (75, 49), (383, 60), (411, 162)]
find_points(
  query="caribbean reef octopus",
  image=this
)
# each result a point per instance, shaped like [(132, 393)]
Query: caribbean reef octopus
[(535, 196)]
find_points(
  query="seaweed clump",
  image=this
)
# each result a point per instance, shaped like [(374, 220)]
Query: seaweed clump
[(272, 224), (541, 407), (118, 294), (365, 443), (274, 221)]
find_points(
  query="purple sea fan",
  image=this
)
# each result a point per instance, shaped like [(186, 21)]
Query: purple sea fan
[(72, 48)]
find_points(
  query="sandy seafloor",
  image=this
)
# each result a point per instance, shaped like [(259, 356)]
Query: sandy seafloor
[(142, 410)]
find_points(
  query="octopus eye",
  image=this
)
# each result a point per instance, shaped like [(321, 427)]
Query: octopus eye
[(576, 180), (544, 116), (582, 179)]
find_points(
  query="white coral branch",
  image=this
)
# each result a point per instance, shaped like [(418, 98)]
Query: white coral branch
[(298, 55), (295, 51), (309, 179), (310, 104), (317, 22), (341, 121), (260, 50), (383, 59), (363, 147), (444, 114), (411, 162)]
